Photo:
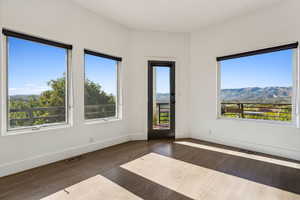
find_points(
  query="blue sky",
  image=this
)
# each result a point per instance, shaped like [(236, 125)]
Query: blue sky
[(264, 70), (102, 71), (162, 79), (32, 65)]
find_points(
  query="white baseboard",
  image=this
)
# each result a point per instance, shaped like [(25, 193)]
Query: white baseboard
[(29, 163), (22, 165), (267, 149)]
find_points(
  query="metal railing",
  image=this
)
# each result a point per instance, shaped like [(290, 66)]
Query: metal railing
[(46, 115), (162, 114), (35, 116), (100, 111), (279, 112)]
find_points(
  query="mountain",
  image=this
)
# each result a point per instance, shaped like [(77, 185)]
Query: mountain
[(23, 97), (257, 94), (162, 97)]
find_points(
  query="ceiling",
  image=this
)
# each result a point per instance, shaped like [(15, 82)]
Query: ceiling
[(173, 15)]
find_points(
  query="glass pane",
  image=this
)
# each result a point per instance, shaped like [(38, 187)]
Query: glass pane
[(100, 95), (36, 83), (161, 98), (258, 87)]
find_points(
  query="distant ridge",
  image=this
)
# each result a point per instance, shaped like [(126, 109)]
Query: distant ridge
[(23, 97), (162, 97), (257, 95)]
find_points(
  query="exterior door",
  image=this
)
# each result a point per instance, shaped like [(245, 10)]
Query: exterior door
[(161, 99)]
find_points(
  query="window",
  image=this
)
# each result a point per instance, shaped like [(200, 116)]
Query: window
[(101, 97), (259, 85), (37, 79)]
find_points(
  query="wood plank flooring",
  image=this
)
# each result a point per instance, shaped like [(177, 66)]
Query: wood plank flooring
[(44, 181), (202, 183)]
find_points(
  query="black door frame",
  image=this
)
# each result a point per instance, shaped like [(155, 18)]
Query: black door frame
[(159, 134)]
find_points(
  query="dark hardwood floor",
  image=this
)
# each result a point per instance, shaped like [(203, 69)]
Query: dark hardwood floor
[(46, 180)]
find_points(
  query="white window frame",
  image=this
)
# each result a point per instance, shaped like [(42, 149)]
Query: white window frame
[(119, 95), (6, 131), (295, 122)]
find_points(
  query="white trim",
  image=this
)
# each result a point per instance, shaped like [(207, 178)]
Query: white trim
[(6, 131), (35, 129), (36, 161), (1, 78), (295, 75), (3, 84), (102, 120), (262, 121), (70, 90), (218, 88), (120, 92), (119, 95)]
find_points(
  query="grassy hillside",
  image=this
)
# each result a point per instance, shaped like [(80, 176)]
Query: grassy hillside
[(257, 95)]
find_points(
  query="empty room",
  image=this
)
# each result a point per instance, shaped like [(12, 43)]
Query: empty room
[(149, 99)]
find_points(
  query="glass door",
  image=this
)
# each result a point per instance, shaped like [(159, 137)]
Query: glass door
[(161, 99)]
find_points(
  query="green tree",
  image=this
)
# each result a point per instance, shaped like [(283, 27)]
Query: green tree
[(98, 104), (55, 96), (94, 95), (55, 99)]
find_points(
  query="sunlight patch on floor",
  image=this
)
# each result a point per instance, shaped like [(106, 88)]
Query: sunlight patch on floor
[(241, 154), (95, 188), (201, 183)]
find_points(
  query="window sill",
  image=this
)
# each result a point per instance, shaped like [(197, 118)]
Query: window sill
[(267, 122), (102, 121), (34, 130)]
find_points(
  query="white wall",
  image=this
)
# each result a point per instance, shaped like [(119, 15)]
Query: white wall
[(63, 21), (275, 26), (157, 46)]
